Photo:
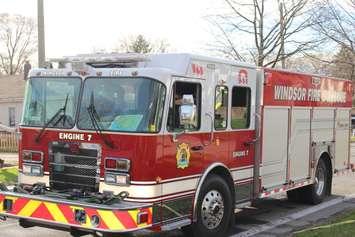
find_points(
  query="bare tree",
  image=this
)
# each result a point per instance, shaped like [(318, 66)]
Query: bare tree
[(313, 62), (275, 35), (17, 42), (336, 22), (343, 65), (139, 44)]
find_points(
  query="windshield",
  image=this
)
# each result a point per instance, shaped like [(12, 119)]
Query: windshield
[(122, 104), (46, 96)]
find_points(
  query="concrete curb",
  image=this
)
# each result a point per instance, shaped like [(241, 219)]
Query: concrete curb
[(284, 220)]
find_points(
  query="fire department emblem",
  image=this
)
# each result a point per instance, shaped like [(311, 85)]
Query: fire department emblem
[(183, 156)]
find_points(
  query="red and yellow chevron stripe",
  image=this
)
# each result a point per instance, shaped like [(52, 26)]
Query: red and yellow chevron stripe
[(110, 220)]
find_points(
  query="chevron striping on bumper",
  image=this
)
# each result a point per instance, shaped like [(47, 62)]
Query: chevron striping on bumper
[(29, 208), (55, 212), (111, 220)]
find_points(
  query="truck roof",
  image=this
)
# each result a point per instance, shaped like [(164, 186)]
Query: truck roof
[(177, 63)]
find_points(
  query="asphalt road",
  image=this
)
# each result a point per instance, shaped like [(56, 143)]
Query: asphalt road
[(265, 214)]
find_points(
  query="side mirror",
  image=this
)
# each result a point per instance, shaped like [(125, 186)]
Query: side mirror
[(187, 115), (187, 111)]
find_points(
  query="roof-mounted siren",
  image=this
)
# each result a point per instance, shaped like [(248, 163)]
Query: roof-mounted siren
[(102, 60)]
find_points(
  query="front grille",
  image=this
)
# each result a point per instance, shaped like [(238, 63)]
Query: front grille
[(73, 166)]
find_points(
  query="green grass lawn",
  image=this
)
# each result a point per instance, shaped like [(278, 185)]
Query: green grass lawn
[(8, 175), (343, 226)]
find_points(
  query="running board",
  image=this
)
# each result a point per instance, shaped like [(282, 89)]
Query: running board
[(176, 224), (242, 205)]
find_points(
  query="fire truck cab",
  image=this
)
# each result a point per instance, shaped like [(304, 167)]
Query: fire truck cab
[(114, 143)]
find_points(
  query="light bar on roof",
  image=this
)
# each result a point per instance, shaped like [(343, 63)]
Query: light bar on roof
[(106, 58)]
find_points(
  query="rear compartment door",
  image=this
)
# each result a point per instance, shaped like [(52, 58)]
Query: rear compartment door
[(274, 146), (342, 141), (299, 148)]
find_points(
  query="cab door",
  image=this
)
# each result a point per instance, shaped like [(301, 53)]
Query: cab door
[(183, 145)]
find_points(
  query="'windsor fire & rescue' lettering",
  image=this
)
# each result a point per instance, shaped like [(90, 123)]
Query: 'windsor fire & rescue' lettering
[(303, 94)]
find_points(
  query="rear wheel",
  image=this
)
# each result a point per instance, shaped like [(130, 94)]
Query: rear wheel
[(214, 209), (316, 192)]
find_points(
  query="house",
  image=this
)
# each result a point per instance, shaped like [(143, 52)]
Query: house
[(12, 89)]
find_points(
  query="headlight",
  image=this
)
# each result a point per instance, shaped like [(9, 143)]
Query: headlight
[(117, 178), (32, 170)]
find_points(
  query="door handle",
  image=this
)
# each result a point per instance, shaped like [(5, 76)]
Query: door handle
[(197, 148), (252, 142)]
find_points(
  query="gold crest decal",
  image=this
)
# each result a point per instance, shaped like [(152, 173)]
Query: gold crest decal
[(183, 156)]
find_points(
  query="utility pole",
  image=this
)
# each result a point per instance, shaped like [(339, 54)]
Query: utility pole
[(41, 43), (282, 34)]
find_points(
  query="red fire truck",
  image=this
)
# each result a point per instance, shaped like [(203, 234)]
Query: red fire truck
[(119, 143)]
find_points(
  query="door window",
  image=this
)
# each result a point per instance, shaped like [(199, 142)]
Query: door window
[(182, 90), (240, 108), (221, 108)]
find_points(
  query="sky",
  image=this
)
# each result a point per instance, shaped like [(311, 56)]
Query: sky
[(84, 26)]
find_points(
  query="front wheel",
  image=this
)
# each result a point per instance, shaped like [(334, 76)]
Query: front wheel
[(214, 209)]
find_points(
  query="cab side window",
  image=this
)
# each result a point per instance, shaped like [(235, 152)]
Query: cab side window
[(221, 108), (240, 118), (181, 91)]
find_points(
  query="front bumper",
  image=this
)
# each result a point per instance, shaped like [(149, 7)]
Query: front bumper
[(120, 217)]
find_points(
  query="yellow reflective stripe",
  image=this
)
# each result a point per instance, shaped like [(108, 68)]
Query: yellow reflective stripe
[(74, 207), (1, 206), (55, 212), (29, 208), (111, 220), (133, 214)]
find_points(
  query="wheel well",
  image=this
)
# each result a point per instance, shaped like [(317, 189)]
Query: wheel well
[(328, 163), (225, 174), (215, 169)]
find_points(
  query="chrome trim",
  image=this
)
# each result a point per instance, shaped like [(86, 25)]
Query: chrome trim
[(118, 174), (62, 182), (79, 156), (31, 161), (32, 174), (116, 159), (88, 167), (176, 224), (200, 183), (139, 217)]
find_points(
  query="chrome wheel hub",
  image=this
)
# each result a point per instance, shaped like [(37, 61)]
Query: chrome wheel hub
[(212, 209), (319, 181)]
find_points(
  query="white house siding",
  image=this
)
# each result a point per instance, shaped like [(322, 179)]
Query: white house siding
[(12, 89), (4, 114)]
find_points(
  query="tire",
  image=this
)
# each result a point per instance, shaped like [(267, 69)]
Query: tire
[(315, 193), (213, 209)]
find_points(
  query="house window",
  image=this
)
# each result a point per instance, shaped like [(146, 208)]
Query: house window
[(240, 108), (12, 120)]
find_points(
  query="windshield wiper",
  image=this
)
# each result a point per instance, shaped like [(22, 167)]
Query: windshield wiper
[(94, 117), (39, 135), (64, 115)]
